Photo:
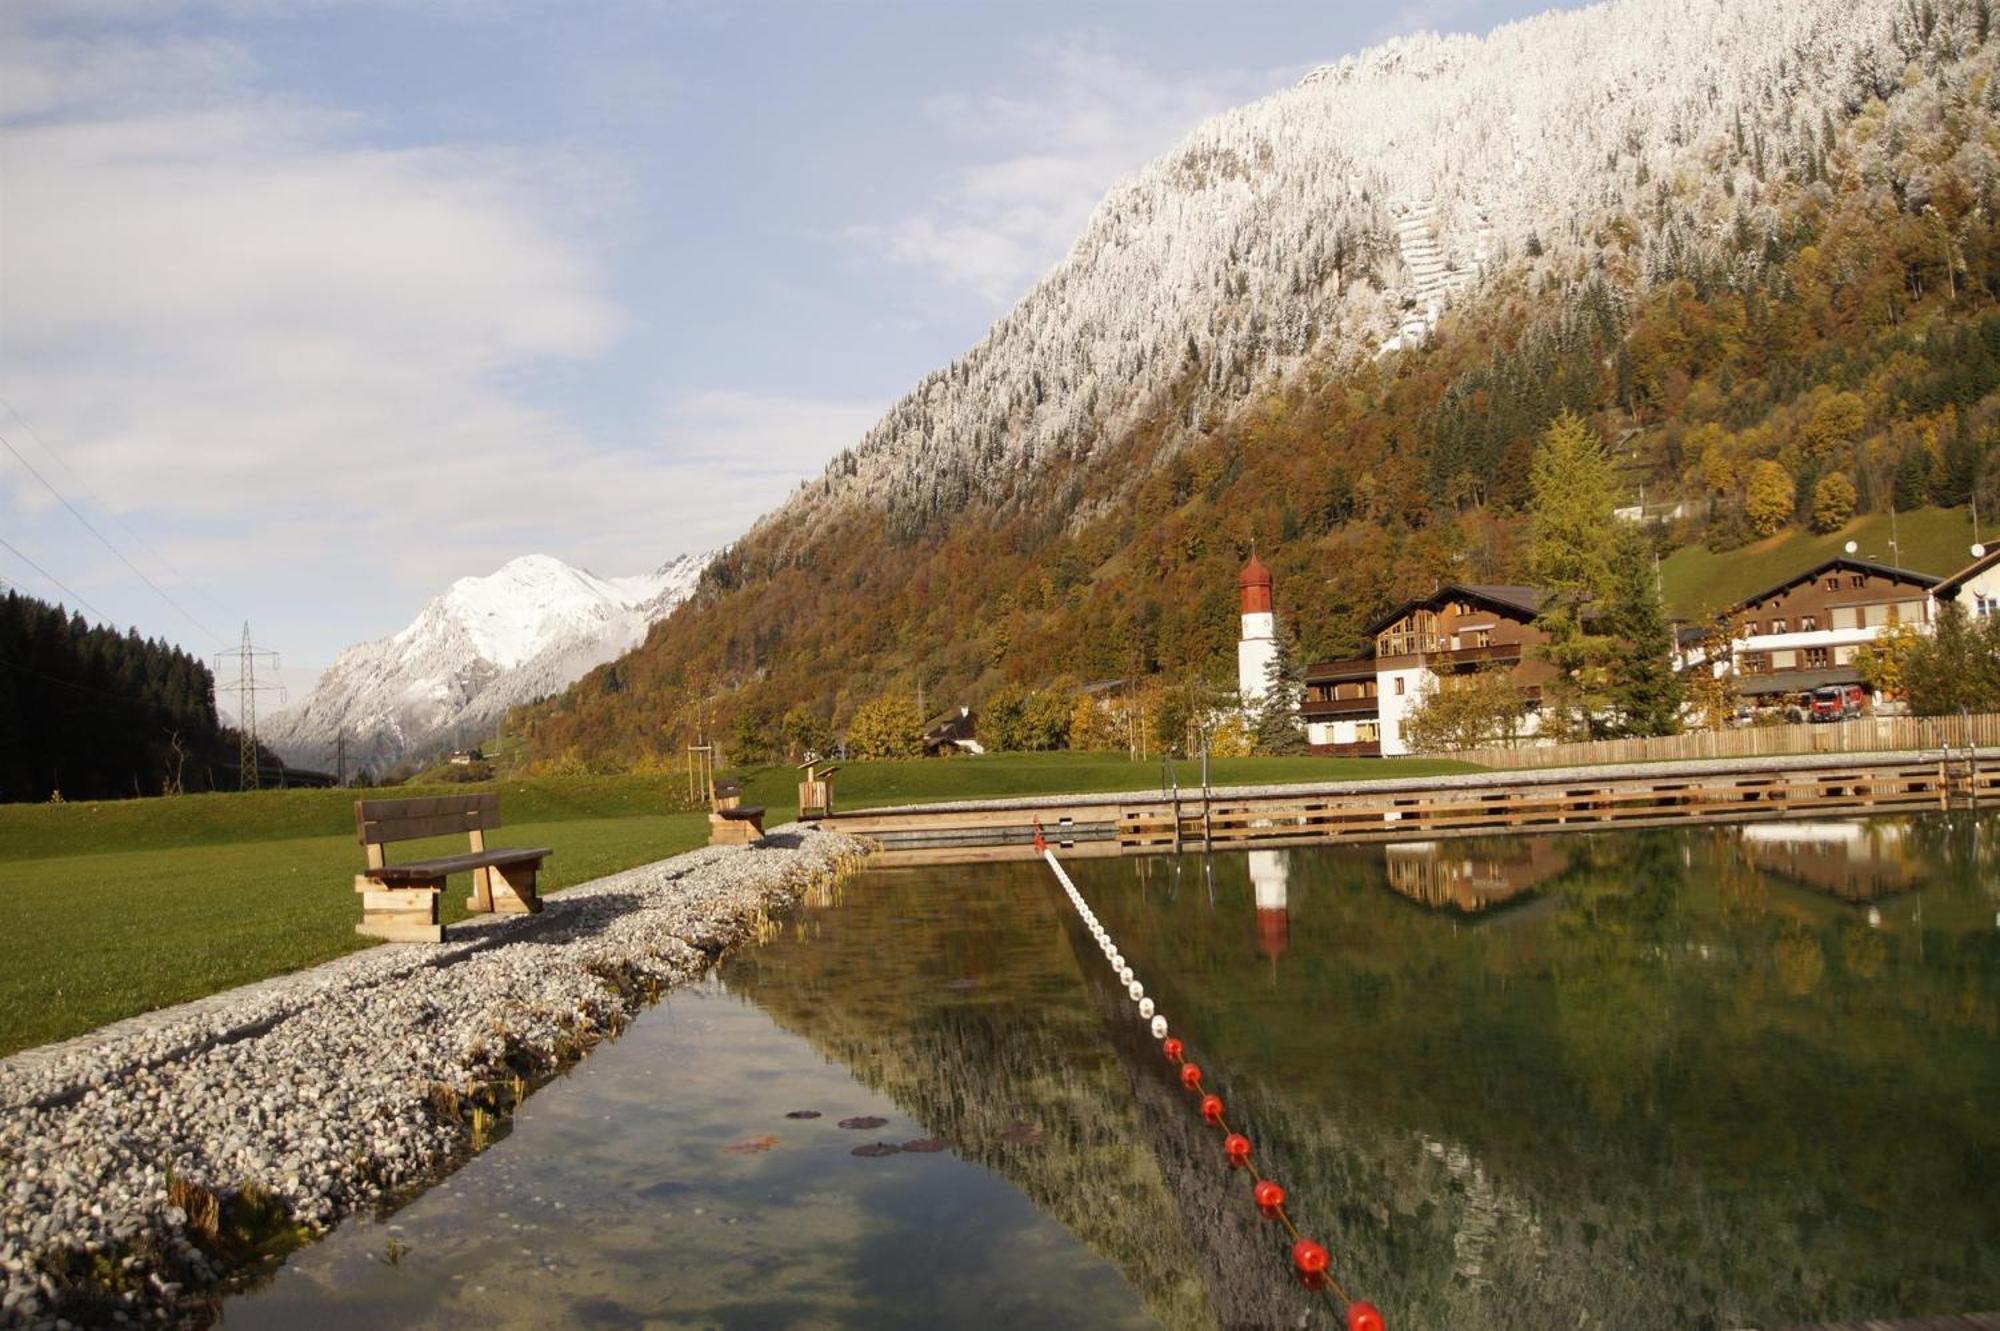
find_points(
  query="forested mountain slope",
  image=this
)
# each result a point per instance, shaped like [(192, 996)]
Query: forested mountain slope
[(1335, 321)]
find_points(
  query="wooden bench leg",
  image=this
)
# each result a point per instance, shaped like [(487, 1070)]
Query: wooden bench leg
[(513, 890), (481, 900), (399, 914)]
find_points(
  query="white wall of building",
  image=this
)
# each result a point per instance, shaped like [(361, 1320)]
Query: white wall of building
[(1254, 651)]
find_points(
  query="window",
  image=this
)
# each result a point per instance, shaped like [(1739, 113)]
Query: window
[(1750, 627), (1756, 663), (1858, 580), (1399, 686), (1808, 623), (1368, 732), (1833, 583), (1985, 605), (1778, 625), (1818, 658)]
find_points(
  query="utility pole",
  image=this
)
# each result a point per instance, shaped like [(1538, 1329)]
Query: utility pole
[(340, 757), (246, 689)]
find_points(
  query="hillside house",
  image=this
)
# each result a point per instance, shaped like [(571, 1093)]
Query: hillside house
[(1360, 707), (1975, 587), (1802, 634)]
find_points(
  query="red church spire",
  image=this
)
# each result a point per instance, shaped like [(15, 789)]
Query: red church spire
[(1255, 585)]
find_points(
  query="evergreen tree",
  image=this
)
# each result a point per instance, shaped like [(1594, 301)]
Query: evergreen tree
[(1277, 729), (1644, 690)]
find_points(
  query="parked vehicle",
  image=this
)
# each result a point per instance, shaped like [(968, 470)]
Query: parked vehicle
[(1837, 702)]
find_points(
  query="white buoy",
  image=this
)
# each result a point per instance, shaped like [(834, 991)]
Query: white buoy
[(1145, 1009), (1118, 959), (1137, 990), (1159, 1028), (1124, 975)]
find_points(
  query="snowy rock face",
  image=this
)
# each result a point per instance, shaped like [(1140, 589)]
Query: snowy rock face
[(487, 644), (1340, 217)]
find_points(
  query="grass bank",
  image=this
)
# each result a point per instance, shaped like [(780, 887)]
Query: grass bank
[(114, 908), (1697, 581)]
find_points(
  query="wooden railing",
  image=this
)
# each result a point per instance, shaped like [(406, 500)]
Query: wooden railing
[(1864, 735)]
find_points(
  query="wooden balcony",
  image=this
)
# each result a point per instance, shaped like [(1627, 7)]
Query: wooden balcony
[(1326, 709)]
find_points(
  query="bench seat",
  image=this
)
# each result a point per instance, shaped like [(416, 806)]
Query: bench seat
[(425, 870), (742, 813), (736, 825)]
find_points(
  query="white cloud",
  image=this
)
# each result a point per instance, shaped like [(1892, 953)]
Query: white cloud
[(301, 359), (1041, 161)]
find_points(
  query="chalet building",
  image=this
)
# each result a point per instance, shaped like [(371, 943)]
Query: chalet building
[(1359, 707), (1803, 633), (1975, 587)]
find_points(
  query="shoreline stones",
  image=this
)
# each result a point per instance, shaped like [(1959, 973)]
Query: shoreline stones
[(296, 1101)]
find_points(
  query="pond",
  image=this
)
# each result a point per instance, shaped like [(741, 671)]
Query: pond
[(1721, 1077)]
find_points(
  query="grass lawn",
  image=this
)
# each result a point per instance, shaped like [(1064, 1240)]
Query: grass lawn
[(121, 906), (865, 785), (1697, 581), (104, 935)]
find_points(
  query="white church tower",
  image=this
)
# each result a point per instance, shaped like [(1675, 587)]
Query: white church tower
[(1259, 642)]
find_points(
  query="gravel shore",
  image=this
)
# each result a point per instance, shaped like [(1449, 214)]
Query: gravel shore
[(138, 1163)]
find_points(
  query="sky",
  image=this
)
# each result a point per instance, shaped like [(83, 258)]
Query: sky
[(309, 307)]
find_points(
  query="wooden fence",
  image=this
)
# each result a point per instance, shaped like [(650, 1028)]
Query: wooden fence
[(1875, 734)]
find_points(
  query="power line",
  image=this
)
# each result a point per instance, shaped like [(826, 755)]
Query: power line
[(56, 582), (98, 499), (104, 541)]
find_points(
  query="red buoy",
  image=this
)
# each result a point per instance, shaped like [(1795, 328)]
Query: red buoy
[(1269, 1198), (1363, 1317), (1190, 1076), (1309, 1258), (1172, 1047), (1237, 1147), (1211, 1109)]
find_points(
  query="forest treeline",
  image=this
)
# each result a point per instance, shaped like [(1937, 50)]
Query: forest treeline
[(87, 712), (1830, 348)]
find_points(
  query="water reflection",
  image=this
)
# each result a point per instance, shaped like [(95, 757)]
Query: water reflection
[(1665, 1079), (1674, 1091)]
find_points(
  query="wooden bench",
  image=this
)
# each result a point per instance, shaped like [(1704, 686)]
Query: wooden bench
[(731, 822), (399, 902)]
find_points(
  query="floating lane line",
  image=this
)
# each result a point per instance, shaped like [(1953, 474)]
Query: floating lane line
[(1309, 1258)]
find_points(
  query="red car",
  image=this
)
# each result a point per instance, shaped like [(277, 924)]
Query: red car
[(1837, 702)]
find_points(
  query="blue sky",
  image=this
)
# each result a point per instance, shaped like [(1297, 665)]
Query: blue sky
[(311, 306)]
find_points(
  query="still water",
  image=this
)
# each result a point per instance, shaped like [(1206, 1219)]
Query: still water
[(1726, 1077)]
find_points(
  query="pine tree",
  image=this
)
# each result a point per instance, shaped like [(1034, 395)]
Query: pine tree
[(1644, 690), (1277, 727)]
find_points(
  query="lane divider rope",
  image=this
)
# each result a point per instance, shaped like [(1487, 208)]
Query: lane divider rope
[(1309, 1257)]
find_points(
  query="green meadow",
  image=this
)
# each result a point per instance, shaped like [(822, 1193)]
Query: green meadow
[(119, 907)]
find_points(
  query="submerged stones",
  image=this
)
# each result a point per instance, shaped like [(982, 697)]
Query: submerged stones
[(803, 1113), (864, 1122), (926, 1145), (875, 1149)]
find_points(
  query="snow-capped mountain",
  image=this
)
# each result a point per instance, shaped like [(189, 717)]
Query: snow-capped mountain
[(1341, 216), (487, 644)]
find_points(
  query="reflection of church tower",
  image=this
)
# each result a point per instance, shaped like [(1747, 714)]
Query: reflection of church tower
[(1267, 880), (1256, 647)]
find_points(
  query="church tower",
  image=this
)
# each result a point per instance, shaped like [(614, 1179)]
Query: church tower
[(1258, 645)]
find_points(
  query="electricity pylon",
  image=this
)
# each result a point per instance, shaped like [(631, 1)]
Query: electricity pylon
[(246, 688)]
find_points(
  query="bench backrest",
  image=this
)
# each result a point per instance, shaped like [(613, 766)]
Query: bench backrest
[(377, 822)]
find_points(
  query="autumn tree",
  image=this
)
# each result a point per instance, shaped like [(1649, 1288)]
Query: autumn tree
[(804, 732), (887, 727), (1472, 710), (1768, 498), (1883, 663), (1712, 689), (1572, 548), (1956, 668), (1833, 500)]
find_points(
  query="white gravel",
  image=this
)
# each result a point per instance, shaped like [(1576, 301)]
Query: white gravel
[(328, 1088)]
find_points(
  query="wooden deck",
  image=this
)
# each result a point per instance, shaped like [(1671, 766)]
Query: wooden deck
[(1482, 804), (1951, 1322)]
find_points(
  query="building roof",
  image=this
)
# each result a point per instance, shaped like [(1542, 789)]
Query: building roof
[(1948, 589), (1812, 574), (1518, 600), (1795, 681), (1254, 573), (1352, 667)]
